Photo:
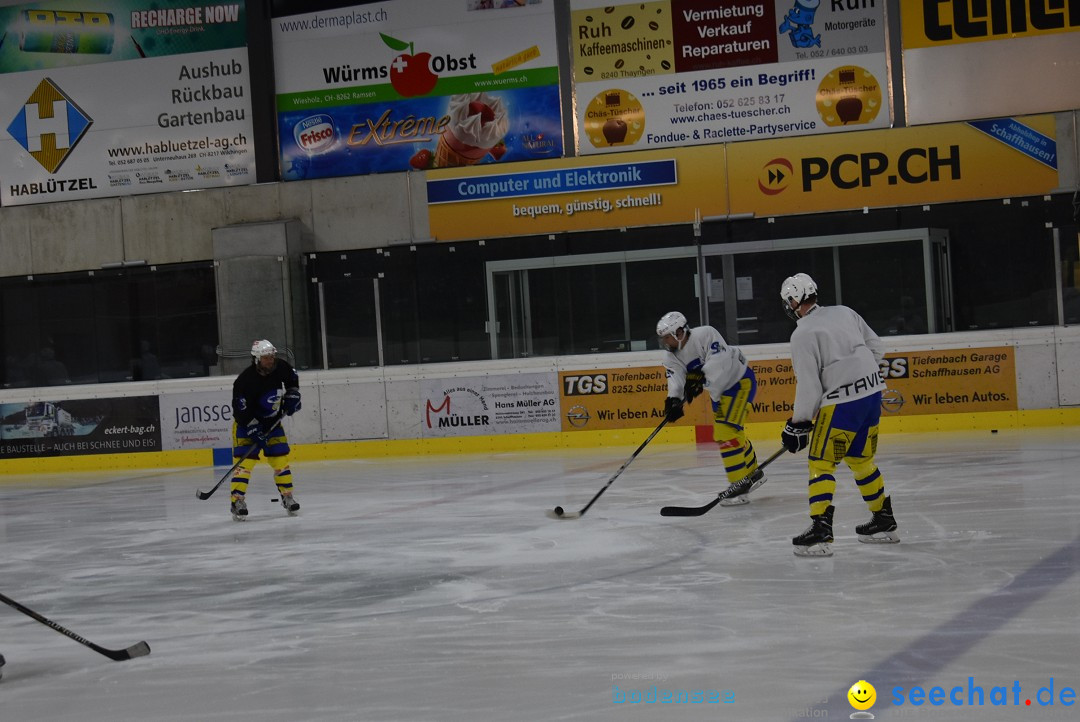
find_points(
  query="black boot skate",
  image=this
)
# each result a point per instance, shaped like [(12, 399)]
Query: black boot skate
[(290, 504), (738, 493), (239, 509), (881, 529), (817, 540)]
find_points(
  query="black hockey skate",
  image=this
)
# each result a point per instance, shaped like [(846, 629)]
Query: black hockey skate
[(239, 509), (881, 529), (817, 540), (290, 504), (739, 492)]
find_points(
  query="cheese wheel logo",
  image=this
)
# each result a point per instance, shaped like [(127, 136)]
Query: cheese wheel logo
[(614, 118), (849, 95)]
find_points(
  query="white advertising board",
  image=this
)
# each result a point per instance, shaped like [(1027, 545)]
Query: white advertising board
[(478, 405)]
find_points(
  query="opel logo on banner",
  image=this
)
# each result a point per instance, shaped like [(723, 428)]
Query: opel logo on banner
[(578, 416)]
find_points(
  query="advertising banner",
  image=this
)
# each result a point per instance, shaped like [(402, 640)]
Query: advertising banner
[(76, 427), (930, 382), (900, 166), (691, 72), (622, 398), (953, 381), (196, 420), (994, 158), (416, 84), (135, 96), (969, 53), (481, 405), (632, 189)]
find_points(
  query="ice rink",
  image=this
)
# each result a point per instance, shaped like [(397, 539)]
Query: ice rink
[(435, 588)]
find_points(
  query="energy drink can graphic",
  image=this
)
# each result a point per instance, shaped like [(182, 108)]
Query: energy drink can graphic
[(66, 31)]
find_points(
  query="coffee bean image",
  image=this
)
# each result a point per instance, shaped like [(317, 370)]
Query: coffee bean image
[(653, 25), (588, 18), (619, 63), (627, 22), (665, 65), (609, 9), (588, 70)]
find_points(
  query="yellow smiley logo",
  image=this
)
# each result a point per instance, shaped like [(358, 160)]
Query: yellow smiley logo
[(862, 695)]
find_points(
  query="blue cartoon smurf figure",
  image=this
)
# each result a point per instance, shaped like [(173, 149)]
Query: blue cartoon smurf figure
[(798, 21)]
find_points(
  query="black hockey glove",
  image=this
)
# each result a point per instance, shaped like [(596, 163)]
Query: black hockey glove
[(258, 435), (695, 384), (291, 402), (796, 436), (267, 424), (673, 409)]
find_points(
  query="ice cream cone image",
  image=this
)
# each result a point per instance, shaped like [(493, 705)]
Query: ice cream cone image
[(478, 123), (452, 152)]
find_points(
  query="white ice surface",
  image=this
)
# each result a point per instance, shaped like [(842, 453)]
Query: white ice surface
[(435, 588)]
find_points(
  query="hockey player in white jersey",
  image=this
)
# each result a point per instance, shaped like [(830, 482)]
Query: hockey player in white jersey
[(698, 359), (836, 358)]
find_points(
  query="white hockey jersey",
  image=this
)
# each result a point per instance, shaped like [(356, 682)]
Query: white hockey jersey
[(836, 358), (705, 351)]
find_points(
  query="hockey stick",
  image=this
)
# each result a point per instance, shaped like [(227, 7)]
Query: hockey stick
[(558, 512), (699, 510), (254, 447), (117, 655)]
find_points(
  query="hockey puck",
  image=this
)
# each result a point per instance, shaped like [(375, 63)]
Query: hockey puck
[(274, 499), (993, 431), (558, 511)]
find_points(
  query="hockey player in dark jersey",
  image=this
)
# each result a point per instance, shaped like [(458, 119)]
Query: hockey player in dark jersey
[(262, 394)]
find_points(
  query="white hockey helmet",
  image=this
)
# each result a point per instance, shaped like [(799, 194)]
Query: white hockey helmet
[(262, 348), (669, 323), (796, 288)]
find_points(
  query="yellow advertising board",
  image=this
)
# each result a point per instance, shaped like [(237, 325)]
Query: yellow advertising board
[(933, 24), (954, 381), (899, 166), (930, 382), (603, 399), (620, 190), (980, 159)]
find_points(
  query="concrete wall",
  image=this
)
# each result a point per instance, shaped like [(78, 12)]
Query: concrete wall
[(335, 214)]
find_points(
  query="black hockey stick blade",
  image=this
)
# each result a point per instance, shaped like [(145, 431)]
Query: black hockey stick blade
[(204, 495), (140, 649), (699, 510), (558, 513), (691, 510)]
